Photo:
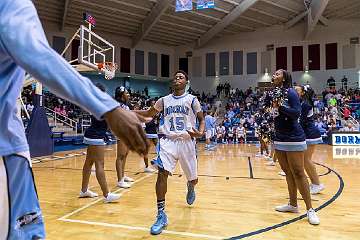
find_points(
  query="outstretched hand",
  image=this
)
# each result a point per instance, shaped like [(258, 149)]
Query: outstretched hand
[(127, 127)]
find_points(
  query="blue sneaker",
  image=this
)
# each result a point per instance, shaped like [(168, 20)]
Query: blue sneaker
[(190, 196), (160, 224)]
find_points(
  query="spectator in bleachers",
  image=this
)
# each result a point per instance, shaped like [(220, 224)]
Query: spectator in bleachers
[(344, 83), (348, 128), (63, 111), (331, 83), (346, 112)]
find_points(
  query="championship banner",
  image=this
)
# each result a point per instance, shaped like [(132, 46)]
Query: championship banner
[(204, 4), (183, 5)]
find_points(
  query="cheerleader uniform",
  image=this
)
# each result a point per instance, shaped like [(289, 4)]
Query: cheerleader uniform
[(151, 129), (289, 135), (96, 134), (312, 133)]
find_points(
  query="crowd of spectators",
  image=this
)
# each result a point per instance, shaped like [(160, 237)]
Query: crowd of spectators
[(237, 107)]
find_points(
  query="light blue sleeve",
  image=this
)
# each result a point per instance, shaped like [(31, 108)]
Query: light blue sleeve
[(23, 37)]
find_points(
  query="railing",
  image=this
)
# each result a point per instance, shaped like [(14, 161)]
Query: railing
[(63, 119), (85, 123)]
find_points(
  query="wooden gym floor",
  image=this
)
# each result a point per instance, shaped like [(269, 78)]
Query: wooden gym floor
[(235, 198)]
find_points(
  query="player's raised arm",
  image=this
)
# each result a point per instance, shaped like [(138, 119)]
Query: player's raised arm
[(152, 111)]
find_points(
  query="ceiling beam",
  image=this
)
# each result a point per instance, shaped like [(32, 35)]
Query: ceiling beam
[(316, 9), (257, 21), (198, 30), (340, 9), (295, 20), (269, 14), (299, 17), (324, 21), (150, 21), (280, 6), (226, 21), (109, 9), (345, 11), (180, 19), (65, 13)]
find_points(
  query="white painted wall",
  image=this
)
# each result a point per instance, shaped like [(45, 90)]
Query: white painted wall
[(337, 31), (118, 41)]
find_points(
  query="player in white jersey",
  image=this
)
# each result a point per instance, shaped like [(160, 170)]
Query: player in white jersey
[(222, 132), (230, 134), (218, 133), (177, 134), (240, 134)]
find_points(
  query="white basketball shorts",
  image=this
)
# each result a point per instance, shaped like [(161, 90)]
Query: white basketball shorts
[(171, 151)]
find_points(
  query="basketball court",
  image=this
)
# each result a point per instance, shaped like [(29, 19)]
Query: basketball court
[(236, 197)]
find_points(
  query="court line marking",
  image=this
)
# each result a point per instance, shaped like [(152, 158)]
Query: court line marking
[(146, 229), (120, 190), (175, 174), (282, 224)]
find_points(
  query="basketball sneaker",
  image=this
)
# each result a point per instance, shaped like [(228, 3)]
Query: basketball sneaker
[(149, 170), (128, 179), (271, 163), (111, 197), (210, 148), (312, 217), (160, 223), (190, 196), (123, 184), (315, 189), (88, 194), (287, 208)]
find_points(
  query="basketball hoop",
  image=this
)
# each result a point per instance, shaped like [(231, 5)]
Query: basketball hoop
[(108, 68)]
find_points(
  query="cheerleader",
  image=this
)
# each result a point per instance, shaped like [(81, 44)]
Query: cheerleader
[(312, 133), (122, 96), (95, 137), (290, 144)]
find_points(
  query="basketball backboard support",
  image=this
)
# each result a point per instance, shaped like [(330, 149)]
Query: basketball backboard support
[(94, 53)]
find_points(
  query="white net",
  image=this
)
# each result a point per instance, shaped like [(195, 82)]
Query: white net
[(109, 70)]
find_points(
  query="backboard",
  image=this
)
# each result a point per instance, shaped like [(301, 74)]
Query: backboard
[(94, 49), (94, 53)]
